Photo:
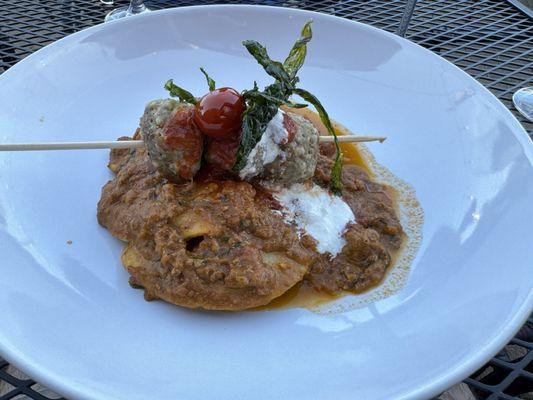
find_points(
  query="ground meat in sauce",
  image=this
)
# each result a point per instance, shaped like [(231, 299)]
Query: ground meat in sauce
[(172, 138), (299, 152), (224, 246), (370, 243), (222, 152), (212, 245)]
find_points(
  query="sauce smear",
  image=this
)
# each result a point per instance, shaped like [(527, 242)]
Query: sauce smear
[(301, 294)]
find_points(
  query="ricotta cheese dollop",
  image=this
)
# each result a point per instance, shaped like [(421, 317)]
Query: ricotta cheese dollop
[(319, 213)]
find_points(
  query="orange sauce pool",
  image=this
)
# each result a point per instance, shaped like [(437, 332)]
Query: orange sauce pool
[(302, 295)]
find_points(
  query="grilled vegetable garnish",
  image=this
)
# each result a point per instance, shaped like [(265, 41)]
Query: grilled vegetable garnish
[(210, 82), (336, 172), (263, 105), (183, 95)]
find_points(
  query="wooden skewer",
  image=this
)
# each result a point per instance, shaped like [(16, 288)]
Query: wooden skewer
[(352, 139), (129, 144), (119, 144)]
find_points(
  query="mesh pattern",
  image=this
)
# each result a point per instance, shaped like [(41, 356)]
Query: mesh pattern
[(16, 385), (489, 39), (509, 375)]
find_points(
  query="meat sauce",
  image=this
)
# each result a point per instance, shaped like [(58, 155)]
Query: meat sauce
[(303, 294), (178, 134), (222, 152), (185, 241), (290, 127)]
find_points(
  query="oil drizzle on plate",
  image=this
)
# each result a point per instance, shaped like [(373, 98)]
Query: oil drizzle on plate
[(300, 295)]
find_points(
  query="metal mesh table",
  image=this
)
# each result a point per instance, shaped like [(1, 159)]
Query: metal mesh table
[(492, 40)]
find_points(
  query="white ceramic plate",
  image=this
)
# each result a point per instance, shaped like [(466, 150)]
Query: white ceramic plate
[(67, 314)]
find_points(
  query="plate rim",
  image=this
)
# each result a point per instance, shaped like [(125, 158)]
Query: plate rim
[(464, 368)]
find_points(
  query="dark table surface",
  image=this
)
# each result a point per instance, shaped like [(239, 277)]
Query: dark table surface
[(492, 40)]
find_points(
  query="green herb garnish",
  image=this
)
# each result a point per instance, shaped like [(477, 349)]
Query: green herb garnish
[(336, 172), (210, 82), (182, 94), (262, 106), (296, 57)]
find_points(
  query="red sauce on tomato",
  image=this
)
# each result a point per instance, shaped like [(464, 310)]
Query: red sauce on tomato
[(219, 113)]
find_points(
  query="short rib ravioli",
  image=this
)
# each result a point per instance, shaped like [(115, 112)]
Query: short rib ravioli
[(216, 246)]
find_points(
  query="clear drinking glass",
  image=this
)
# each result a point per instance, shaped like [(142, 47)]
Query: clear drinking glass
[(523, 101), (135, 7)]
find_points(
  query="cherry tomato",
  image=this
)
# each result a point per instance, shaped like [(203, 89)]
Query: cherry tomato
[(218, 114)]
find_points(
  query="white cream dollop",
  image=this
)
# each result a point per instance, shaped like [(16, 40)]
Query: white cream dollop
[(267, 149), (319, 213)]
